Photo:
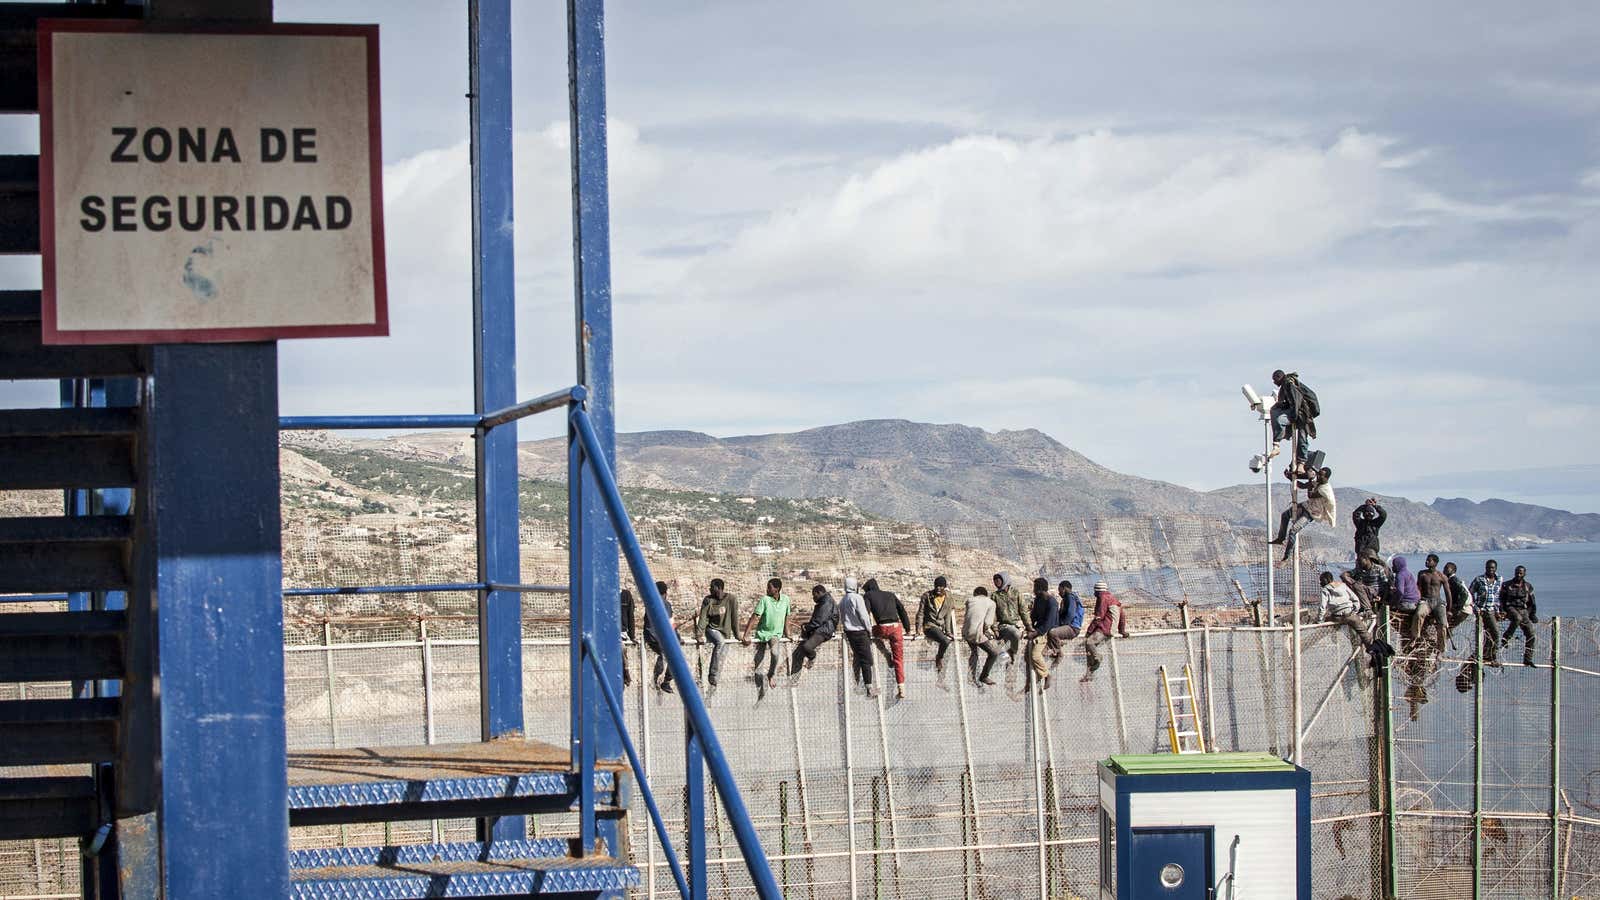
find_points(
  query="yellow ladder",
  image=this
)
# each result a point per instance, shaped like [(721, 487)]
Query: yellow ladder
[(1184, 729)]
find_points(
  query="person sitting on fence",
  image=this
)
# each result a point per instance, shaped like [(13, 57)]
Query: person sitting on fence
[(717, 623), (770, 625), (1517, 602), (1433, 589), (656, 634), (1486, 602), (1358, 589), (1319, 506), (891, 625), (1010, 616), (625, 619), (1339, 604), (1403, 596), (978, 627), (936, 619), (816, 631), (1460, 598), (1108, 623), (1069, 619), (856, 620), (1042, 617)]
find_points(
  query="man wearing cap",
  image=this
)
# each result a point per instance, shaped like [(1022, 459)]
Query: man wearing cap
[(856, 619), (936, 618), (1108, 623)]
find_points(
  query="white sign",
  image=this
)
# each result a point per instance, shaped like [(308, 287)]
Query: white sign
[(210, 185)]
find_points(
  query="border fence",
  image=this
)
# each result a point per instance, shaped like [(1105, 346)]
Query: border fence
[(968, 791)]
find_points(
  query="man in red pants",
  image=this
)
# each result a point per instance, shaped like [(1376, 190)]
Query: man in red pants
[(890, 629)]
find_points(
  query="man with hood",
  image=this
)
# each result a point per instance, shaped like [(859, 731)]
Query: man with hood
[(1295, 410), (1042, 618), (816, 631), (1108, 623), (936, 619), (1010, 616), (977, 624), (1319, 506), (856, 620), (890, 626), (1404, 597), (717, 623), (1368, 518), (1517, 602)]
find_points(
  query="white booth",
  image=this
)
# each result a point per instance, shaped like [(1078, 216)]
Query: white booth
[(1229, 826)]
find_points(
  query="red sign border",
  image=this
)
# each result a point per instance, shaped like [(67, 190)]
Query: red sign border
[(379, 327)]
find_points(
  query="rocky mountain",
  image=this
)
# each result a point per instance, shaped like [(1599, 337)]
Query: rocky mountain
[(1521, 519), (936, 474)]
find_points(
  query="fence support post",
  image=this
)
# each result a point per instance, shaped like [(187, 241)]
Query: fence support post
[(1116, 691), (1386, 684), (427, 684), (1477, 763), (849, 763), (644, 756), (694, 783), (969, 793), (1038, 783), (327, 657), (1294, 660), (1555, 758), (1205, 662)]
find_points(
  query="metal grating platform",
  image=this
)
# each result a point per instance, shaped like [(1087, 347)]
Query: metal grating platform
[(504, 868), (392, 783)]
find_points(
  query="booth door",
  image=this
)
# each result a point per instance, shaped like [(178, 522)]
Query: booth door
[(1170, 864)]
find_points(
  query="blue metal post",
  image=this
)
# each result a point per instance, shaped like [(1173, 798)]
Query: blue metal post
[(494, 348), (210, 504), (694, 786), (593, 570)]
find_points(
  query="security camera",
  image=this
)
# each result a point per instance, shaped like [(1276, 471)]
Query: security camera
[(1257, 463), (1253, 398)]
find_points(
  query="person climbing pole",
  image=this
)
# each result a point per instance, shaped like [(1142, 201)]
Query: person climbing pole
[(1368, 518), (1294, 413), (1517, 601), (1319, 506)]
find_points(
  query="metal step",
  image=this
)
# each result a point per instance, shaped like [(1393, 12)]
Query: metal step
[(52, 732), (502, 869), (68, 646), (19, 204), (22, 355), (438, 781), (51, 807), (68, 448), (64, 553), (19, 45)]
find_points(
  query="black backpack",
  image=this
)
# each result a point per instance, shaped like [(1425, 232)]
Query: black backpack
[(1309, 398)]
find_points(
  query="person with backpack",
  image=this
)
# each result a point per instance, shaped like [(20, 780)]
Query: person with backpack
[(1319, 506), (1294, 412)]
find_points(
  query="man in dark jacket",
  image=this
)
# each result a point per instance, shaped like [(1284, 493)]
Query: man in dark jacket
[(717, 623), (892, 624), (817, 630), (1010, 615), (1042, 618), (1368, 518), (936, 618), (1294, 412), (1517, 602), (626, 617)]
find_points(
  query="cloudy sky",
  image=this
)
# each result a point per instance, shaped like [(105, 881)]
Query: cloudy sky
[(1094, 219)]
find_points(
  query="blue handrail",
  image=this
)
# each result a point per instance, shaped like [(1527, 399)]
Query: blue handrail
[(694, 706), (615, 706)]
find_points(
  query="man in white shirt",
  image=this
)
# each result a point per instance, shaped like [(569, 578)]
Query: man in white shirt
[(977, 627)]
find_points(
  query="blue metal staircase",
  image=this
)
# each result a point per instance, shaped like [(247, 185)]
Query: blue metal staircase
[(170, 495)]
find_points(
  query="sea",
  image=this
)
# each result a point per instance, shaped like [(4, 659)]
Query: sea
[(1563, 575)]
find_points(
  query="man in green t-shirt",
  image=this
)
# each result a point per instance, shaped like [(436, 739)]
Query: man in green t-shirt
[(770, 623)]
